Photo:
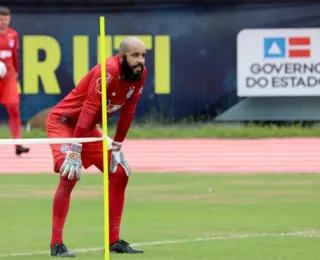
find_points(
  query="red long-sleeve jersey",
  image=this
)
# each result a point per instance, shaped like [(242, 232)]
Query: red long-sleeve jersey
[(9, 45), (81, 109)]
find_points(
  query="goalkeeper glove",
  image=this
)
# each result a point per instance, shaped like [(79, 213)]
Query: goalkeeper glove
[(117, 158), (72, 164)]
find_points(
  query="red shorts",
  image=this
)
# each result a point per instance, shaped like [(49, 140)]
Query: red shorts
[(92, 152), (9, 92)]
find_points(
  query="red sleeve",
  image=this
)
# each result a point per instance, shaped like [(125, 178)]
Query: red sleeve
[(92, 102), (126, 115), (15, 56)]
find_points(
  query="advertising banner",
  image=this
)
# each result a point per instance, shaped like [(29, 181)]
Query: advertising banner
[(278, 62), (193, 68)]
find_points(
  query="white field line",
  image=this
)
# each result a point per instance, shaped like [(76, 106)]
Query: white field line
[(311, 234)]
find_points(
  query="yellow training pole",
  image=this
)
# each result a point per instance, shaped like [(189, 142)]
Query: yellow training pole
[(105, 133)]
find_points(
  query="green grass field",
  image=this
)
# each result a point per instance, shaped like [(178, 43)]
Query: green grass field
[(171, 216), (147, 131)]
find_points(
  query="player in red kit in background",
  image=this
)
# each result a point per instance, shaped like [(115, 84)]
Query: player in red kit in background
[(77, 115), (9, 96)]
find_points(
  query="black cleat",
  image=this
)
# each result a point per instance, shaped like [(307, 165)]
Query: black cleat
[(60, 250), (122, 247), (20, 149)]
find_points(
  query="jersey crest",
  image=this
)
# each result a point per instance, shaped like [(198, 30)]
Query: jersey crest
[(11, 43)]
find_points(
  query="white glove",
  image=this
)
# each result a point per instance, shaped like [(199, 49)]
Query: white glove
[(125, 164), (72, 164), (3, 70), (117, 158)]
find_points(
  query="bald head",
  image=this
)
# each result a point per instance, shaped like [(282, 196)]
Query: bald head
[(130, 43), (132, 55)]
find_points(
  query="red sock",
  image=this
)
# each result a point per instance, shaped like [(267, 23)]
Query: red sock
[(14, 120), (61, 203), (117, 185)]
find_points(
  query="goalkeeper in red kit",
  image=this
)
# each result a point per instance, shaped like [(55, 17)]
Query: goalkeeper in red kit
[(9, 96), (77, 115)]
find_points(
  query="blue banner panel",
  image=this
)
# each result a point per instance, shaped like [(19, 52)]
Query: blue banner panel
[(191, 53)]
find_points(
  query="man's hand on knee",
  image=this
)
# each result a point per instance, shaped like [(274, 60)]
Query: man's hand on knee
[(124, 164), (117, 158), (72, 164)]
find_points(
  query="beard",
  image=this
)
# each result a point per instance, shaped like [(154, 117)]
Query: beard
[(128, 71)]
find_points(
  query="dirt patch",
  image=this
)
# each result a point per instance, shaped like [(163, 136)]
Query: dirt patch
[(188, 197), (5, 203), (281, 193), (193, 198), (138, 188), (88, 194), (49, 193), (275, 183), (171, 197)]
